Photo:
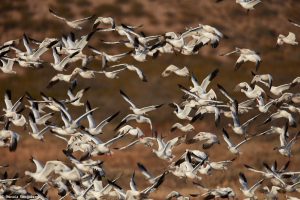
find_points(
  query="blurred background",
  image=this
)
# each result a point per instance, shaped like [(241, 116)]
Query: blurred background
[(257, 31)]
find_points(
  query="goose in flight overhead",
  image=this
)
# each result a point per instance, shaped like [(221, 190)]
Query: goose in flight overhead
[(76, 24), (136, 132), (245, 56), (289, 39), (136, 110)]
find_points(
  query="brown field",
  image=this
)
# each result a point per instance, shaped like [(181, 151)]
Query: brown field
[(257, 31)]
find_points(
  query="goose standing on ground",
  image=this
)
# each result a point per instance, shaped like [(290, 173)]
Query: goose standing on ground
[(73, 24), (245, 56)]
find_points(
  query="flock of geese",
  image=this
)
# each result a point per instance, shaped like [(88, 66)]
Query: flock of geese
[(86, 178)]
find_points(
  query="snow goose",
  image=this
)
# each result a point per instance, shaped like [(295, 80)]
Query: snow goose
[(7, 65), (282, 114), (237, 127), (289, 39), (42, 173), (248, 192), (63, 77), (233, 148), (11, 109), (35, 132), (184, 128), (133, 68), (37, 118), (9, 138), (174, 69), (251, 93), (245, 56), (59, 65), (136, 132), (262, 78), (164, 150), (181, 113), (149, 177), (294, 23), (76, 24), (262, 107), (285, 148), (137, 118), (75, 99), (248, 4), (136, 110), (209, 138)]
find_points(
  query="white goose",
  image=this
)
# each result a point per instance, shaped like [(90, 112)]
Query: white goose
[(136, 132), (138, 71), (174, 69), (7, 65), (164, 150), (35, 132), (233, 148), (136, 110), (60, 65), (93, 128), (248, 4), (248, 192), (289, 39), (73, 24), (282, 114), (245, 56)]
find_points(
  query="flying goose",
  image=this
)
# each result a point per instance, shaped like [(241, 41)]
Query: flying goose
[(9, 138), (76, 24), (75, 99), (289, 39), (95, 129), (164, 150), (136, 110), (36, 133), (248, 192), (63, 77), (262, 78), (60, 65), (233, 148), (136, 132), (174, 69), (138, 71), (245, 56), (282, 114)]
